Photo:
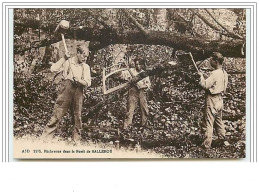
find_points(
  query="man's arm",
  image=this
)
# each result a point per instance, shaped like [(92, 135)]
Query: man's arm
[(206, 84), (125, 75), (56, 67), (226, 81), (86, 81), (144, 83)]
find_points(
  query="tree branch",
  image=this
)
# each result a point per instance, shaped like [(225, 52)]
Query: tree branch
[(200, 47), (136, 23), (212, 25), (230, 33), (182, 20), (100, 38), (205, 20)]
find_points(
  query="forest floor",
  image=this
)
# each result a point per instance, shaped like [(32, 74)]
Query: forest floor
[(175, 108), (141, 143)]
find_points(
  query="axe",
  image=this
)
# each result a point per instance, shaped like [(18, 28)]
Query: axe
[(63, 25), (193, 62)]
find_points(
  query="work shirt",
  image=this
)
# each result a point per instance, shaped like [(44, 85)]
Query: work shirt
[(72, 69), (142, 84), (216, 83)]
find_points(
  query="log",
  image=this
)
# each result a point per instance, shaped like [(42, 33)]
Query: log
[(200, 48)]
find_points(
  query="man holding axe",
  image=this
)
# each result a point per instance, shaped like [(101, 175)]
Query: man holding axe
[(76, 76), (215, 85)]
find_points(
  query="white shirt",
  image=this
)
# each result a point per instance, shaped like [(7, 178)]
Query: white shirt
[(71, 69), (142, 84), (217, 81)]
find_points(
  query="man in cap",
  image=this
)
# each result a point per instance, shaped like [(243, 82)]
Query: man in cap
[(76, 76), (215, 85)]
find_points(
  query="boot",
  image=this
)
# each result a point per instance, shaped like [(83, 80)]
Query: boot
[(76, 137), (48, 132), (206, 144)]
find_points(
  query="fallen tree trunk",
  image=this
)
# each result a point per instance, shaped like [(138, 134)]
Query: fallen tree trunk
[(199, 47), (99, 39)]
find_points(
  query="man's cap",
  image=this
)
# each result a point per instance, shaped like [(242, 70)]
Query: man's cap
[(217, 56)]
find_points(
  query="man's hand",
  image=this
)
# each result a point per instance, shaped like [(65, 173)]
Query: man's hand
[(133, 81), (75, 79), (79, 82), (200, 74), (67, 55)]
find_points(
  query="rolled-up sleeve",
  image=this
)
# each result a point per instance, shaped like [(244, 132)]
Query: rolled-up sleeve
[(226, 81), (125, 75), (208, 83), (58, 66), (144, 83), (87, 75)]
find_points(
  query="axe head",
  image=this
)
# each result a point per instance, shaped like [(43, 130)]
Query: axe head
[(63, 25)]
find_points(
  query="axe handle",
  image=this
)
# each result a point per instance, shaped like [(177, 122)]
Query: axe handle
[(64, 42), (193, 62), (65, 45)]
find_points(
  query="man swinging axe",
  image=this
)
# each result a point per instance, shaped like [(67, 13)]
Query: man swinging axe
[(215, 85), (76, 76)]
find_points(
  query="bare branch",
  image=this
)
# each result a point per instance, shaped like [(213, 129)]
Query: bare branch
[(213, 26), (230, 33), (181, 19), (205, 20), (136, 23), (100, 38)]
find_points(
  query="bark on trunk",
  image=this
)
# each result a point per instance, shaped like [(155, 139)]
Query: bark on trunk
[(161, 19), (200, 48)]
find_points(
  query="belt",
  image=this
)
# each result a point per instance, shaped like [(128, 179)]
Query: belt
[(74, 83)]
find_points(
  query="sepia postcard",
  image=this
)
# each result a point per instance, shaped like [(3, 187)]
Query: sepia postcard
[(129, 83)]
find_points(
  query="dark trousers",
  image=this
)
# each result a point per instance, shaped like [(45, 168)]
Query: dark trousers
[(70, 97)]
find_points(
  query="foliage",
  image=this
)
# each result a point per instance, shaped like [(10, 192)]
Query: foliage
[(175, 106), (175, 102), (183, 21)]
